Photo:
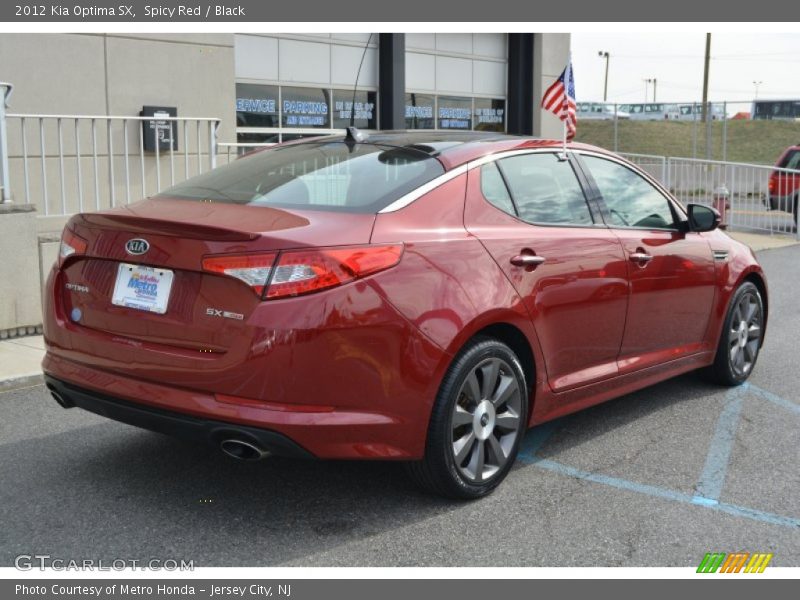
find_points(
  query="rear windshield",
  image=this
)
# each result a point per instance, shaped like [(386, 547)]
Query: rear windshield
[(791, 160), (360, 178)]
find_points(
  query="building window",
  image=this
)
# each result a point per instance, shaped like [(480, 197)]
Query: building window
[(489, 115), (425, 111), (256, 105), (364, 110), (270, 114), (420, 109), (305, 107), (454, 113)]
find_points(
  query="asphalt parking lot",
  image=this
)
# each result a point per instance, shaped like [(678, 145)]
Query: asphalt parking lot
[(656, 478)]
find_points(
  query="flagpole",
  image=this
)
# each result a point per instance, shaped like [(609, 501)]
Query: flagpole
[(567, 79)]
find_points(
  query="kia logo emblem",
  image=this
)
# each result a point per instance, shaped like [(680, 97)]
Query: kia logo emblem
[(137, 246)]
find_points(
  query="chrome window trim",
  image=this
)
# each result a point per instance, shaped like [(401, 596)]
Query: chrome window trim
[(413, 195)]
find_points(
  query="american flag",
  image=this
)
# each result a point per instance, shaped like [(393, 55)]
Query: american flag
[(559, 99)]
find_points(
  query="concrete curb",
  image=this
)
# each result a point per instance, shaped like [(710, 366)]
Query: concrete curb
[(21, 381), (758, 242)]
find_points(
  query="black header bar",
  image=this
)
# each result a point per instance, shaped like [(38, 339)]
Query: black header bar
[(459, 11)]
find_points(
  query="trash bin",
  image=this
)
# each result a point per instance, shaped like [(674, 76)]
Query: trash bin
[(721, 201)]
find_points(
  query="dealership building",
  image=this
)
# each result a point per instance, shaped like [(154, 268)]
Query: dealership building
[(65, 153), (266, 87)]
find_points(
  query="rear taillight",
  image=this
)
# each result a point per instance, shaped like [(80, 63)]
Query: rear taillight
[(298, 272), (305, 271), (772, 182), (253, 269), (71, 245)]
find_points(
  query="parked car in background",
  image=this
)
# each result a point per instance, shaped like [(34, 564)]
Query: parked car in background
[(422, 297), (600, 111), (784, 182)]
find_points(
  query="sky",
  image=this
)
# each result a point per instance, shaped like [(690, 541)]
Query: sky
[(675, 60)]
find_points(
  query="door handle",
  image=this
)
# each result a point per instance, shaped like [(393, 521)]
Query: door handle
[(641, 257), (527, 260)]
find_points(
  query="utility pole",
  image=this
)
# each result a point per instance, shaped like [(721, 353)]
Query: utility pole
[(654, 81), (706, 107), (607, 56)]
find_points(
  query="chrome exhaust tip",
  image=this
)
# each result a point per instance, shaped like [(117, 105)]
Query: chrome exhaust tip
[(62, 402), (242, 450)]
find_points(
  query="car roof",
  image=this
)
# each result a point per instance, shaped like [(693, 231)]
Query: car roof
[(454, 148)]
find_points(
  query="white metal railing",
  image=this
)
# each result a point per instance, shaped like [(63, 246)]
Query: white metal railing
[(231, 151), (755, 198), (656, 166), (70, 163), (5, 185)]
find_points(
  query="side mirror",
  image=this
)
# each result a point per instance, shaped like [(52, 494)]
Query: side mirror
[(703, 218)]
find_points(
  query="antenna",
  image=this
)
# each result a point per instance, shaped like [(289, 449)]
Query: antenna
[(355, 86)]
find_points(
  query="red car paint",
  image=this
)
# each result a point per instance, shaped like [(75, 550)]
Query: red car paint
[(353, 371)]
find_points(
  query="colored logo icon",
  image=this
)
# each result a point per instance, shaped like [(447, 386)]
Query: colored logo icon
[(738, 562)]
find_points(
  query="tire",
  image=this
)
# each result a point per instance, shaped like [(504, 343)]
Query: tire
[(478, 420), (739, 344)]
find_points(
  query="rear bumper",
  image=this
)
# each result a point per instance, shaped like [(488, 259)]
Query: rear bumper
[(343, 374), (171, 423), (333, 433)]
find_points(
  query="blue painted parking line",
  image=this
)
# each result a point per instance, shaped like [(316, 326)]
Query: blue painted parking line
[(666, 494), (775, 399), (535, 439), (712, 479)]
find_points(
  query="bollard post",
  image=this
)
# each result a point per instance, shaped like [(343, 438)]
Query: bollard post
[(212, 144), (5, 184)]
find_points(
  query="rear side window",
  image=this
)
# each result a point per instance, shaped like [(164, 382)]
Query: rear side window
[(361, 178), (632, 201), (494, 188), (545, 190), (791, 160)]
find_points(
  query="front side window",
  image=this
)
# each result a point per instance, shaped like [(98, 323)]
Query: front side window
[(545, 190), (632, 201), (325, 176)]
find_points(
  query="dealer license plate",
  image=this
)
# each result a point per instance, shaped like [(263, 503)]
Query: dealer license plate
[(142, 288)]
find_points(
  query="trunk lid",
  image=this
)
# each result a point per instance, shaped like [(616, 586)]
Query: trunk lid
[(204, 312)]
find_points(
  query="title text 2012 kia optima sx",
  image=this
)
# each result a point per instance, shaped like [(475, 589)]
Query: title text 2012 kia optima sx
[(423, 297)]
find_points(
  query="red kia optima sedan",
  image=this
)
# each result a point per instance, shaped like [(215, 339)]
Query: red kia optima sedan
[(421, 297)]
